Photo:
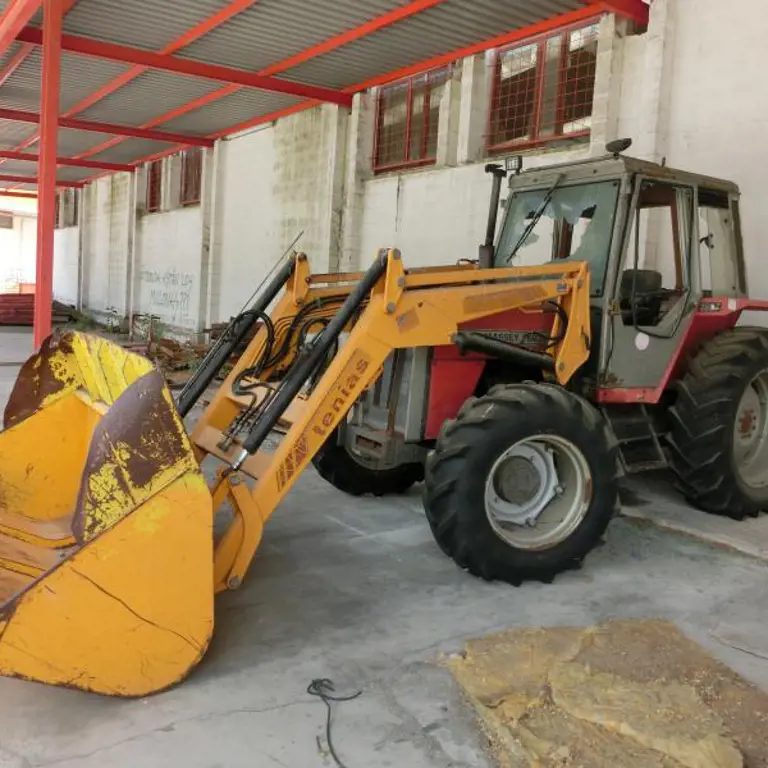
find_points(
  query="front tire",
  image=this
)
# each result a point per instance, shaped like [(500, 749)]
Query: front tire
[(719, 425), (522, 485)]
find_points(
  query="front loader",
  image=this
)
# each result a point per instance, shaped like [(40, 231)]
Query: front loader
[(519, 387)]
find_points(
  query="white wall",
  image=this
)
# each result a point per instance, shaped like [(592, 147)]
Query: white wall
[(107, 226), (167, 270), (435, 216), (18, 247), (718, 115), (689, 89), (66, 248), (274, 183)]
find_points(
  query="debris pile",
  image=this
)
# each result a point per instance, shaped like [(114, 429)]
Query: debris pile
[(19, 309)]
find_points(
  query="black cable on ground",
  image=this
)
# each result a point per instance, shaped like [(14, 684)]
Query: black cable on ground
[(324, 689)]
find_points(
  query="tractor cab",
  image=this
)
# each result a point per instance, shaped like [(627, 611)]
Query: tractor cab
[(659, 243)]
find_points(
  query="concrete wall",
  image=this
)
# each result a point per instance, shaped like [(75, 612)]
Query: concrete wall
[(687, 89), (274, 183), (66, 272), (718, 108), (167, 266), (17, 252), (107, 224)]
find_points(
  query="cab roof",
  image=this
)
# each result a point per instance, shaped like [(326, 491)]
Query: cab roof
[(615, 166)]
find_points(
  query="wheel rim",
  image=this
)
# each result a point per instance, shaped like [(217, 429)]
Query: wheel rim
[(538, 492), (750, 433)]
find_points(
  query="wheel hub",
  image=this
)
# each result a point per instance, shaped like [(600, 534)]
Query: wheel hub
[(538, 492), (522, 483), (517, 480), (750, 433)]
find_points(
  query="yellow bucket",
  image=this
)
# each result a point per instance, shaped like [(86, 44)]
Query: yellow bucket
[(106, 541)]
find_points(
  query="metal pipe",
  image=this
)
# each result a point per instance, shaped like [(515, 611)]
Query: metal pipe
[(467, 341), (486, 249), (49, 128), (237, 330), (304, 368)]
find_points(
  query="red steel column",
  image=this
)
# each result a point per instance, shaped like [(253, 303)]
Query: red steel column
[(53, 12)]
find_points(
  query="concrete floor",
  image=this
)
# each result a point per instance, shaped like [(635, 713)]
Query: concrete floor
[(357, 591)]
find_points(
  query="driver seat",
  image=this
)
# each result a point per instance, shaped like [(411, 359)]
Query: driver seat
[(648, 284)]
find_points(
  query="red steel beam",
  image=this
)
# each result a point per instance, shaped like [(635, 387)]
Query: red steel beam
[(189, 37), (123, 53), (16, 62), (119, 130), (587, 13), (368, 28), (34, 179), (380, 22), (53, 19), (574, 17), (17, 14), (7, 154)]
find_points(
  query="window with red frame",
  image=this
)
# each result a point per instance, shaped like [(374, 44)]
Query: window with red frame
[(154, 186), (191, 175), (57, 211), (543, 90), (407, 119)]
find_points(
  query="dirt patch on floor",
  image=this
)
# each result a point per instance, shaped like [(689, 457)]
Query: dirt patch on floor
[(624, 694)]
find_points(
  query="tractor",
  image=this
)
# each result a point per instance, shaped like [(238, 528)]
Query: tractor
[(595, 336), (671, 379)]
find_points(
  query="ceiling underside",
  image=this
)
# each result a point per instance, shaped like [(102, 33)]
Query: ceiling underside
[(278, 36)]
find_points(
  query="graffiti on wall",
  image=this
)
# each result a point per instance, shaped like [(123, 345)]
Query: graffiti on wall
[(169, 293)]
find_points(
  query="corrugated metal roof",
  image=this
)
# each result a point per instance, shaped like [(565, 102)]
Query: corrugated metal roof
[(18, 167), (130, 150), (11, 133), (231, 110), (72, 142), (151, 94), (272, 30), (148, 24), (267, 32), (80, 77), (69, 173), (447, 27), (5, 58)]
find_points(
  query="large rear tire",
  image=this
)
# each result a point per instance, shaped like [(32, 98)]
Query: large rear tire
[(522, 485), (719, 425), (335, 465)]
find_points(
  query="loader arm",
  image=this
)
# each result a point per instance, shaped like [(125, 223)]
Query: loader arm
[(420, 308)]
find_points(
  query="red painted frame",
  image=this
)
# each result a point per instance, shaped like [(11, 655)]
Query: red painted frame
[(164, 62), (16, 179), (380, 22), (187, 196), (53, 20), (23, 116), (703, 325), (8, 154), (540, 41), (15, 62), (17, 14), (421, 161)]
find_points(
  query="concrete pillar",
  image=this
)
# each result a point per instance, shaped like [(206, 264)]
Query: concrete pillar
[(608, 79), (473, 110), (208, 202), (448, 124), (336, 122), (653, 125), (357, 170)]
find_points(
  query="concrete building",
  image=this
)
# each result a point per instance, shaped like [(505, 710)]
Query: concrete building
[(190, 236)]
